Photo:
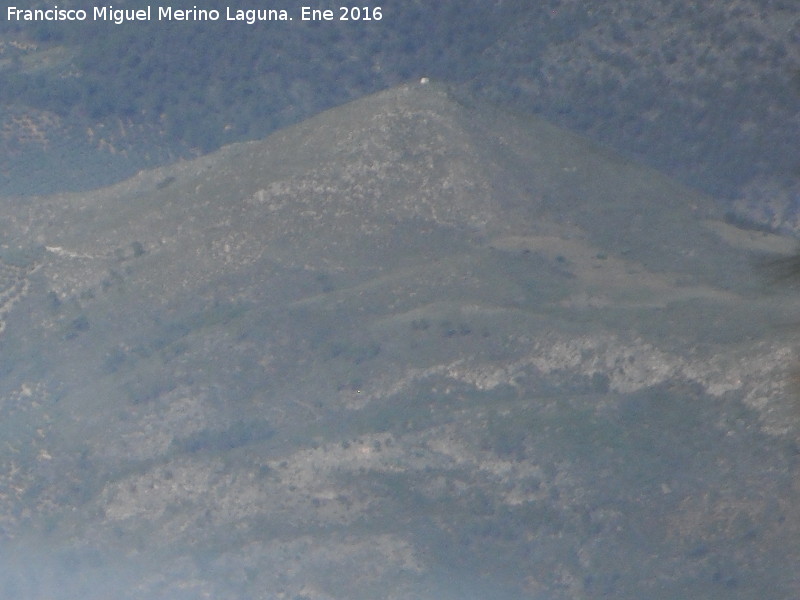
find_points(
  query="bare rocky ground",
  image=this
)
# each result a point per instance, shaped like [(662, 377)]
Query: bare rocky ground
[(405, 349)]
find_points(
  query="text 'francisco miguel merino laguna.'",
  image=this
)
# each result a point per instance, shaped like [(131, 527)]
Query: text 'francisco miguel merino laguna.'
[(167, 13)]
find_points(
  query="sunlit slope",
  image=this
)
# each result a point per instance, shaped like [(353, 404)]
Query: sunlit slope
[(405, 342)]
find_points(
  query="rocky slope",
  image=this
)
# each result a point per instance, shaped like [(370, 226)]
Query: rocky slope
[(405, 349)]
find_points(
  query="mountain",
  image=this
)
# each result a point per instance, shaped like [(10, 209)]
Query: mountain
[(412, 347), (708, 92)]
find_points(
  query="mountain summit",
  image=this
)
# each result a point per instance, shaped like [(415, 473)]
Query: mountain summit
[(413, 347)]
